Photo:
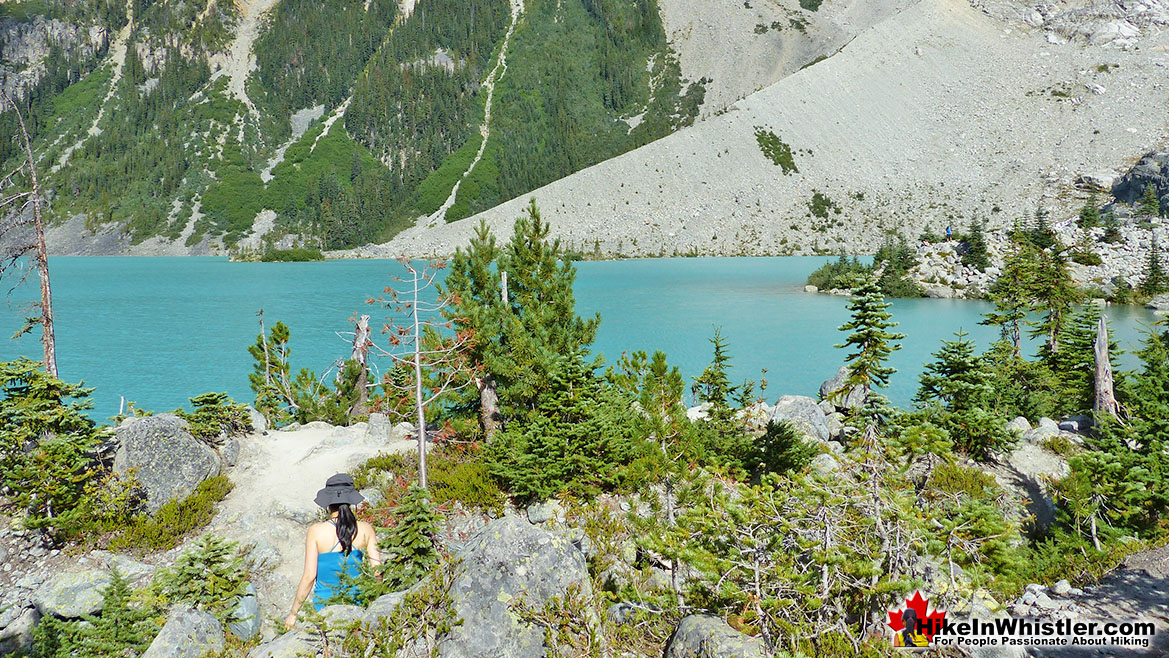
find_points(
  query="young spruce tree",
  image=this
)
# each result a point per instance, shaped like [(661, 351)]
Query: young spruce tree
[(872, 343)]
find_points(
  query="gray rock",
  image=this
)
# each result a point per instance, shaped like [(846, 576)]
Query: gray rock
[(295, 644), (804, 414), (1151, 169), (245, 620), (620, 613), (824, 464), (549, 510), (72, 595), (343, 614), (701, 412), (17, 633), (811, 289), (1159, 303), (1043, 431), (259, 422), (229, 453), (383, 606), (187, 634), (1078, 424), (827, 407), (1061, 587), (379, 427), (506, 560), (372, 495), (939, 292), (1019, 425), (403, 432), (170, 462), (835, 422), (138, 574), (704, 636), (833, 391)]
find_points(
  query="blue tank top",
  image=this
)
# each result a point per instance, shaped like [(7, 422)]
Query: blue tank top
[(332, 570)]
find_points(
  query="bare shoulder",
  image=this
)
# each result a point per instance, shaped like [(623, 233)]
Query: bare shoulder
[(316, 529), (365, 529)]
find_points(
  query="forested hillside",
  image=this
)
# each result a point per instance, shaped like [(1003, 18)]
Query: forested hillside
[(203, 125)]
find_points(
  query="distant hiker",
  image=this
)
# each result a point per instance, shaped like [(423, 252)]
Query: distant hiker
[(334, 550), (949, 232)]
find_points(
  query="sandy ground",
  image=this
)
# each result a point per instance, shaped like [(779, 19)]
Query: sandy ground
[(277, 476)]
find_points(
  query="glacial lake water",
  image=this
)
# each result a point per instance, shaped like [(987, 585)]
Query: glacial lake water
[(160, 330)]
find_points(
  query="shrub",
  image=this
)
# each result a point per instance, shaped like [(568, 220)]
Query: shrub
[(1086, 258), (776, 150), (216, 414), (46, 441), (294, 255), (174, 520), (124, 628), (781, 449), (210, 577), (838, 274), (958, 479), (820, 205), (1060, 445)]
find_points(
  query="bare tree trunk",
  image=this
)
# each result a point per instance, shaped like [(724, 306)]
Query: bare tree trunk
[(361, 343), (41, 257), (1105, 396), (489, 416), (418, 392), (264, 342)]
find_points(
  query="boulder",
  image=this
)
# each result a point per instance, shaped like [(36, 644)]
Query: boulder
[(835, 422), (245, 620), (259, 422), (1160, 303), (1045, 429), (187, 634), (824, 464), (804, 414), (1078, 424), (403, 432), (701, 412), (506, 560), (379, 427), (383, 606), (549, 510), (1151, 169), (170, 462), (1019, 425), (229, 453), (72, 595), (17, 634), (295, 644), (704, 636), (811, 289), (833, 390)]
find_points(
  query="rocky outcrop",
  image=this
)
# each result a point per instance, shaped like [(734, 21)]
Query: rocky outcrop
[(804, 414), (704, 636), (24, 46), (245, 620), (169, 462), (16, 630), (187, 634), (1152, 169), (509, 562), (73, 595), (833, 390)]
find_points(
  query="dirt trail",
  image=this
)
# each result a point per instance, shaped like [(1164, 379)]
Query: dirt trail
[(118, 54), (497, 73), (276, 478)]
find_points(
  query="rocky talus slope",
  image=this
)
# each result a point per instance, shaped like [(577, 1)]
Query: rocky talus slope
[(939, 114)]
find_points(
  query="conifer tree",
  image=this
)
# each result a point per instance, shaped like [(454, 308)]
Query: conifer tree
[(1090, 213), (1053, 293), (270, 377), (958, 379), (1012, 292), (409, 551), (1154, 279), (977, 255), (1149, 203), (872, 343), (122, 628), (1112, 233), (714, 386), (1041, 235)]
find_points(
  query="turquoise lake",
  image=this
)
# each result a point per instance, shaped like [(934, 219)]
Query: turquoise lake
[(160, 330)]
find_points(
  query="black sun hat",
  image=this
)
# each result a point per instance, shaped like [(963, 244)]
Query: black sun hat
[(339, 489)]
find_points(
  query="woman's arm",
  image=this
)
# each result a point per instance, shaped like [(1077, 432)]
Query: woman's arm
[(306, 579), (375, 558)]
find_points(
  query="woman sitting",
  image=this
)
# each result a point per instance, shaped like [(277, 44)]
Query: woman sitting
[(334, 550)]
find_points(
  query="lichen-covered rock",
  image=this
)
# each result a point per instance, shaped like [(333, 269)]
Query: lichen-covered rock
[(295, 644), (245, 620), (17, 634), (704, 636), (804, 414), (170, 462), (187, 634), (72, 595), (506, 561), (383, 606), (833, 390)]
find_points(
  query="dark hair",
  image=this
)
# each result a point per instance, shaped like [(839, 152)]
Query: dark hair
[(909, 618), (346, 525)]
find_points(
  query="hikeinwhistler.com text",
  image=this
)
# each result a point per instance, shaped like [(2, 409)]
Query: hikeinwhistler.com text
[(1008, 631)]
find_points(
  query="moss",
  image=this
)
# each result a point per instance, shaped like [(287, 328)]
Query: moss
[(956, 479)]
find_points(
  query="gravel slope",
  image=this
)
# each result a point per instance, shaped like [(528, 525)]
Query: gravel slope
[(938, 114)]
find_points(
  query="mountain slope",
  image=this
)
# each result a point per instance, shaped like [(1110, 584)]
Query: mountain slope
[(937, 115)]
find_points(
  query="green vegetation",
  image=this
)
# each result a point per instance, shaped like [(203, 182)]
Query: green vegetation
[(1154, 278), (841, 274), (811, 5), (209, 576), (1149, 203), (820, 205), (976, 254), (126, 626), (216, 415), (174, 520), (294, 255), (892, 262), (776, 150)]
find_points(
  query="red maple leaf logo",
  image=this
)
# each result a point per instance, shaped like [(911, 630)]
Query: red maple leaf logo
[(930, 620)]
